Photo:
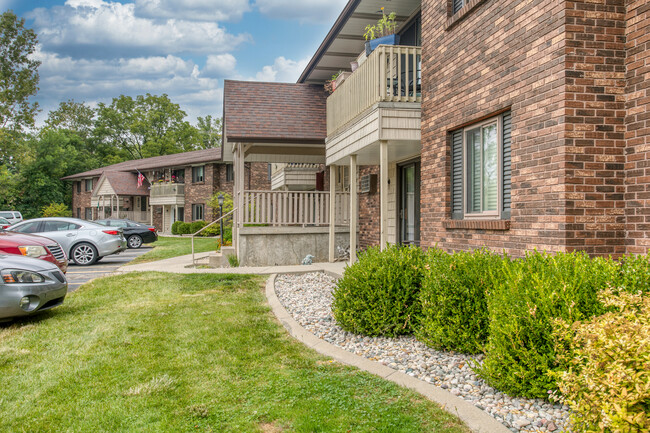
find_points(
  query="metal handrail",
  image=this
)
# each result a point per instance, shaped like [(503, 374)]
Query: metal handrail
[(213, 222)]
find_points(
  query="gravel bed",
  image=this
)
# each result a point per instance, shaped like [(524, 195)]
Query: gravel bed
[(308, 298)]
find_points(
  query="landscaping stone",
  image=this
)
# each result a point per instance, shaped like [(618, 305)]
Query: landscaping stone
[(308, 298)]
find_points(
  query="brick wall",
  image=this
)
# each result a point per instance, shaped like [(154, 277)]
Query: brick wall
[(199, 192), (369, 227), (637, 126), (82, 199)]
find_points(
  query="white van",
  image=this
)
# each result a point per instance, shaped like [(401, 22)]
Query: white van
[(12, 216)]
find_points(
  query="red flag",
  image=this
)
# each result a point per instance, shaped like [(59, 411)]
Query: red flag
[(140, 179)]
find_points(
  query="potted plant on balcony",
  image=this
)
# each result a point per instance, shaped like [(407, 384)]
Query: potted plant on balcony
[(382, 33)]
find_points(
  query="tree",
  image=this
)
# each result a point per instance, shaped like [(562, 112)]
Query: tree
[(72, 116), (145, 126), (18, 81), (210, 131), (57, 210)]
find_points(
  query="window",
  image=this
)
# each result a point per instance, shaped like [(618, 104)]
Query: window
[(78, 212), (59, 226), (181, 214), (89, 214), (197, 212), (79, 187), (230, 173), (197, 174), (457, 5), (31, 227), (481, 170), (89, 185), (143, 204)]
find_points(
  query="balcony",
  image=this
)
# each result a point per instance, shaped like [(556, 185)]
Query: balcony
[(294, 177), (390, 74), (167, 193)]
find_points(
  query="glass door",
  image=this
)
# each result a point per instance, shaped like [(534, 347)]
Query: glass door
[(409, 203)]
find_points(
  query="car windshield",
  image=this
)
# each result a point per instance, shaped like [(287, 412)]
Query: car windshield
[(6, 214)]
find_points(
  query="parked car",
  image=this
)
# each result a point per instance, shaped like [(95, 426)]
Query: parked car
[(4, 223), (12, 216), (36, 247), (29, 285), (84, 242), (135, 233)]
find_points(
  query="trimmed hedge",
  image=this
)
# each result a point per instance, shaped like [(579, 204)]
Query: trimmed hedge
[(378, 295), (454, 297), (529, 294)]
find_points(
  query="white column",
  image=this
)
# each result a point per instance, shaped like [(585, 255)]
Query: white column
[(163, 218), (332, 240), (383, 192), (354, 215)]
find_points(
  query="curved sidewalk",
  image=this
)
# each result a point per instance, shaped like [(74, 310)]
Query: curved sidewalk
[(476, 419)]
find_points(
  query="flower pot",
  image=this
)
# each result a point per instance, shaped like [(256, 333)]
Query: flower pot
[(384, 40)]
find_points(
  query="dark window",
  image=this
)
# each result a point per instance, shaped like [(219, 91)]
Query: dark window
[(181, 214), (28, 227), (78, 212), (481, 170), (79, 187), (178, 176), (197, 174), (59, 226), (197, 212), (411, 35), (89, 185), (89, 213), (457, 5), (270, 173), (230, 173), (143, 204)]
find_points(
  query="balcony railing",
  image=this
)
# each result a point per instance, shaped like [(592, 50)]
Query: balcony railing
[(389, 74), (167, 190), (283, 208)]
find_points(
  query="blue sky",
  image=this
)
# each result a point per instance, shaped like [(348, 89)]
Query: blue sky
[(94, 50)]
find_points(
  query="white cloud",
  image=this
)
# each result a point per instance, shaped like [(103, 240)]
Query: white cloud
[(194, 10), (304, 10), (219, 66), (282, 70), (104, 29)]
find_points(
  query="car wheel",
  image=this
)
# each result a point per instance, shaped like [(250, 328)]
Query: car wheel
[(84, 254), (135, 241)]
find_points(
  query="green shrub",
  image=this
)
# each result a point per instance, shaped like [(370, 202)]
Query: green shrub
[(528, 295), (378, 295), (211, 231), (176, 227), (454, 299), (56, 210), (635, 274), (196, 226), (607, 384), (233, 261)]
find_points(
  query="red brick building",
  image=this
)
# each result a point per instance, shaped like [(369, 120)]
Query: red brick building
[(176, 188), (500, 123)]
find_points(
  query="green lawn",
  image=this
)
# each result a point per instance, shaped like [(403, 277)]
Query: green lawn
[(155, 352), (168, 247)]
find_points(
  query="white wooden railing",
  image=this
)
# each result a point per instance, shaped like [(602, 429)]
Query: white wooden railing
[(282, 208), (135, 215), (167, 189), (390, 74)]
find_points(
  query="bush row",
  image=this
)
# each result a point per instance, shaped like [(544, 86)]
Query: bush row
[(479, 301), (183, 228)]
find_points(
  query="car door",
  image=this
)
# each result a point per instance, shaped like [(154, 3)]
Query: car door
[(63, 232)]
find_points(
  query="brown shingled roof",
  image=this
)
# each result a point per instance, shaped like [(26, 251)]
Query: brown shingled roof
[(156, 162), (281, 112), (126, 183)]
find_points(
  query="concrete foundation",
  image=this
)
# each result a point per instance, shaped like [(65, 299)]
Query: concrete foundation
[(279, 246)]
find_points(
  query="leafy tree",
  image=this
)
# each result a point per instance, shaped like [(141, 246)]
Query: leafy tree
[(18, 81), (146, 126), (72, 116), (210, 131), (57, 210)]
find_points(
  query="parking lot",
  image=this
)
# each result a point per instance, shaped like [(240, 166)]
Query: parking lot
[(78, 275)]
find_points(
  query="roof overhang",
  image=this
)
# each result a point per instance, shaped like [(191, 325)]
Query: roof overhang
[(345, 40)]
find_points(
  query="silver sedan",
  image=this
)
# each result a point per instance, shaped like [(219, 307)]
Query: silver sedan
[(29, 285), (85, 242)]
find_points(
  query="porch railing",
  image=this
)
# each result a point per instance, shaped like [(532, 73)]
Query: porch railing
[(167, 189), (282, 208), (389, 74), (137, 216)]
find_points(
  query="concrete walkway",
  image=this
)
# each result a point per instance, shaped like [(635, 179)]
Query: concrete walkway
[(476, 419), (179, 265)]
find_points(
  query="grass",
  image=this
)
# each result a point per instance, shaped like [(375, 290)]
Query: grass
[(154, 352), (168, 247)]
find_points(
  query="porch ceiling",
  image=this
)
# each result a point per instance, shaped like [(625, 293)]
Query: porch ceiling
[(345, 41), (397, 151)]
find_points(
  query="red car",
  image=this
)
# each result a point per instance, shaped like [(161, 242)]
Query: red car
[(38, 247)]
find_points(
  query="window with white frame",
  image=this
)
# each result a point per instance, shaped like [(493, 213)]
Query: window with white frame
[(197, 174), (197, 212), (481, 169), (89, 185)]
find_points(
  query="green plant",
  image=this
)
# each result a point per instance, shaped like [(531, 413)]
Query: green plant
[(176, 227), (56, 210), (528, 294), (635, 274), (384, 27), (233, 261), (213, 202), (196, 226), (607, 382), (378, 295), (454, 296), (211, 231)]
